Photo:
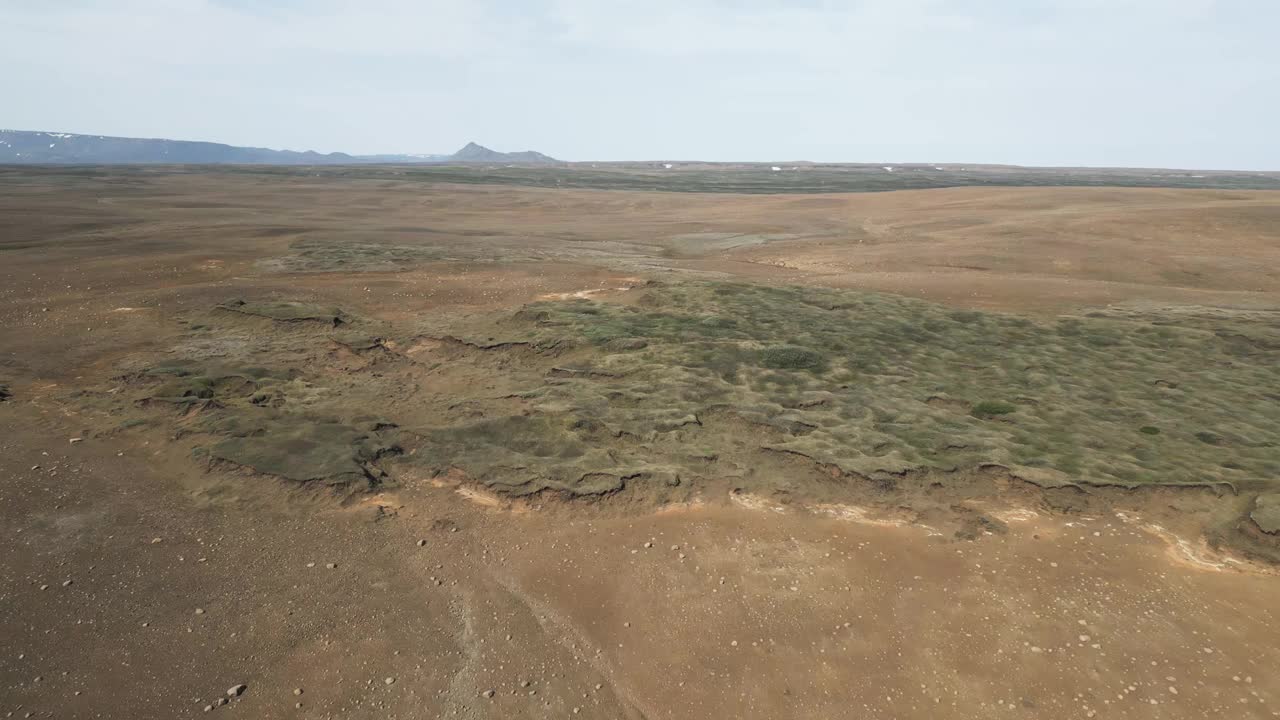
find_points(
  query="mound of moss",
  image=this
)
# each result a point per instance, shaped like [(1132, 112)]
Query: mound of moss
[(305, 450), (1266, 513), (287, 311)]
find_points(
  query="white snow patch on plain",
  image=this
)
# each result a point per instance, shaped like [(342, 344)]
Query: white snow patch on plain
[(888, 168), (775, 168), (52, 144), (667, 165)]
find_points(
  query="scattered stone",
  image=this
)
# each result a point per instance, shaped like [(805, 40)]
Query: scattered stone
[(199, 611), (422, 543), (297, 691), (488, 693), (331, 566), (648, 544), (75, 440), (524, 683), (208, 708), (236, 690), (389, 680), (66, 583)]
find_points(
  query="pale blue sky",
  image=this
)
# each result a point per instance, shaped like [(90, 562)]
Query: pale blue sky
[(1167, 83)]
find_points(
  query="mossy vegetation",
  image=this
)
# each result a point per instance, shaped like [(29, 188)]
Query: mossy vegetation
[(287, 311), (703, 380), (992, 408), (878, 385)]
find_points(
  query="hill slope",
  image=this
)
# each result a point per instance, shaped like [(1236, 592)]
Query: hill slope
[(474, 153)]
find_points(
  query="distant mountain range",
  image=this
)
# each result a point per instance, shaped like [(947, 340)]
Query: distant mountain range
[(26, 147)]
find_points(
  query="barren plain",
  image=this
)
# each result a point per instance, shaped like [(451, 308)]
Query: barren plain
[(316, 443)]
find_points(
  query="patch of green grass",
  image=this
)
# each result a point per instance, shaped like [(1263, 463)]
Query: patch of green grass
[(992, 408), (791, 357)]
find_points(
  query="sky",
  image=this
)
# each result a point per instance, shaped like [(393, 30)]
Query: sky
[(1139, 83)]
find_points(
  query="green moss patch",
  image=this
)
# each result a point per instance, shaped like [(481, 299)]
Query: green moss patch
[(879, 385), (287, 311)]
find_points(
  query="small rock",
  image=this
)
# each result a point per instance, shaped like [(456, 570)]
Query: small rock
[(75, 440), (297, 691), (389, 680), (221, 701), (331, 566), (422, 543), (236, 690), (199, 611), (66, 583), (648, 544), (524, 683), (488, 693), (208, 708)]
